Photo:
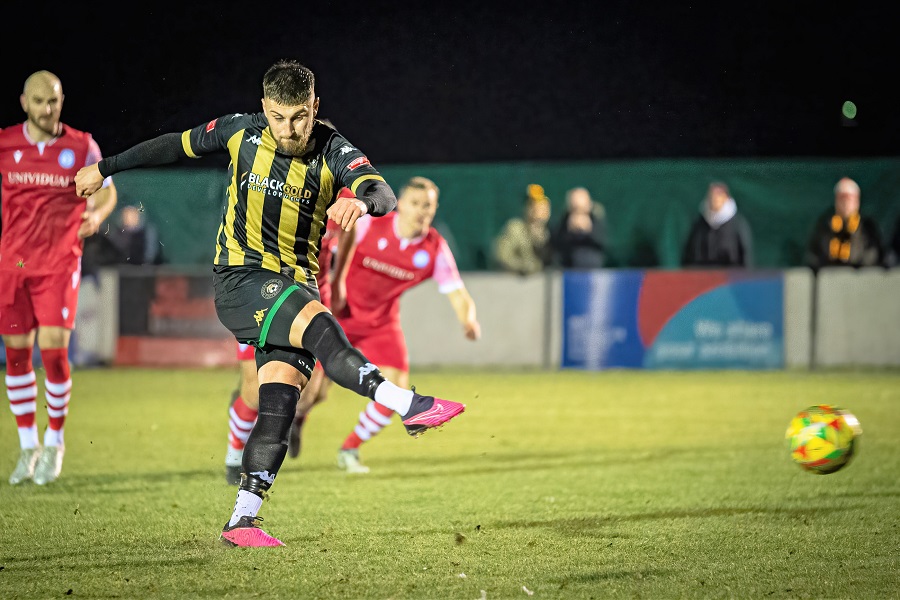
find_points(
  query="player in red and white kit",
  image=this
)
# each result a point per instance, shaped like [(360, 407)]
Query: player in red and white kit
[(242, 412), (393, 254), (44, 225), (337, 246)]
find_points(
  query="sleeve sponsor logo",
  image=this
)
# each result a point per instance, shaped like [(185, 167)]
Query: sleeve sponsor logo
[(358, 162), (211, 125)]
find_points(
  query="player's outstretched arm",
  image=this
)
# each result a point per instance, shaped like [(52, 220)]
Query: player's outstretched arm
[(161, 150), (464, 307)]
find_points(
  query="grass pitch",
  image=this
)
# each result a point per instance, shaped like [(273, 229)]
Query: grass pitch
[(550, 485)]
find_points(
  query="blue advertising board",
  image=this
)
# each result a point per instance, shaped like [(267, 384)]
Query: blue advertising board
[(717, 319)]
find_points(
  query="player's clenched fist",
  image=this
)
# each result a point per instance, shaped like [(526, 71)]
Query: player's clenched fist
[(88, 180), (345, 211)]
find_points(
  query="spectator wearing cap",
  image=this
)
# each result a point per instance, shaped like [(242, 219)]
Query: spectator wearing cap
[(844, 237), (523, 246), (579, 239), (720, 236)]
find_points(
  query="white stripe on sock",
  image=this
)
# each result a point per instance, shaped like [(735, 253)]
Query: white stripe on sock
[(57, 402), (20, 380), (57, 412), (58, 389), (362, 433), (241, 423), (23, 408), (370, 425), (372, 413), (22, 393)]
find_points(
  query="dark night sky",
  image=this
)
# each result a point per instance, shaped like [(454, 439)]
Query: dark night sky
[(489, 81)]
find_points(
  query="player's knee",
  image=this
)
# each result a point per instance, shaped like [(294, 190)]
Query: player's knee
[(53, 337), (303, 319)]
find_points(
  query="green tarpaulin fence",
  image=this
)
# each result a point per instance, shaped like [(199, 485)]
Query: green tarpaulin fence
[(649, 203)]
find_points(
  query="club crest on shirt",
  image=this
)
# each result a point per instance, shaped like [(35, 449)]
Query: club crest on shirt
[(271, 288), (421, 259), (67, 158)]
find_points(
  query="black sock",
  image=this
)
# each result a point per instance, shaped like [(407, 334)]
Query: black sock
[(267, 445), (344, 364)]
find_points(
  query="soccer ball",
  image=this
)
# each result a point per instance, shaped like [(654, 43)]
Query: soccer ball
[(823, 438)]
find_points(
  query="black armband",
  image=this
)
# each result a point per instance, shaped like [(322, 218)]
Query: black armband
[(378, 197), (161, 150)]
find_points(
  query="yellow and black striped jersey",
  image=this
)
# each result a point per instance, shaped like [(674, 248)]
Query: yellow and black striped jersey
[(274, 214)]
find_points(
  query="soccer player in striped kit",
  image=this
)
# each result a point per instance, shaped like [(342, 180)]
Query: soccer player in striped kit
[(44, 225), (286, 168), (337, 247)]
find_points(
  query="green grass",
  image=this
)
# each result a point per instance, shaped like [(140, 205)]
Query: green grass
[(569, 484)]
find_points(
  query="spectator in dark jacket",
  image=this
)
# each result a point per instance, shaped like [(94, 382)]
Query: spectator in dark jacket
[(136, 239), (720, 236), (579, 239), (842, 236)]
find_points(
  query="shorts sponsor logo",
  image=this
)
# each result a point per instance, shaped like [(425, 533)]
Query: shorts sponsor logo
[(211, 125), (362, 160), (66, 158), (259, 315), (421, 259), (271, 288)]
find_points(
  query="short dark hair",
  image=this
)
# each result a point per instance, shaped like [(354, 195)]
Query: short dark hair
[(420, 183), (289, 83)]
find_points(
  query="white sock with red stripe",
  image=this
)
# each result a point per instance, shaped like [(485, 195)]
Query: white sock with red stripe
[(371, 421), (21, 390), (57, 395), (240, 424), (57, 391)]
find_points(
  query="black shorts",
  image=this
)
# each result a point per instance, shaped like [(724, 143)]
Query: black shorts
[(258, 306)]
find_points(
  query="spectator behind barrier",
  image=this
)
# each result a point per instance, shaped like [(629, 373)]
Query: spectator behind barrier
[(136, 239), (842, 236), (720, 236), (579, 239), (524, 244)]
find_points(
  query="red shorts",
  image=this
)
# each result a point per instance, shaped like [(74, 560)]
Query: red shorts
[(325, 293), (385, 347), (27, 302), (245, 352)]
